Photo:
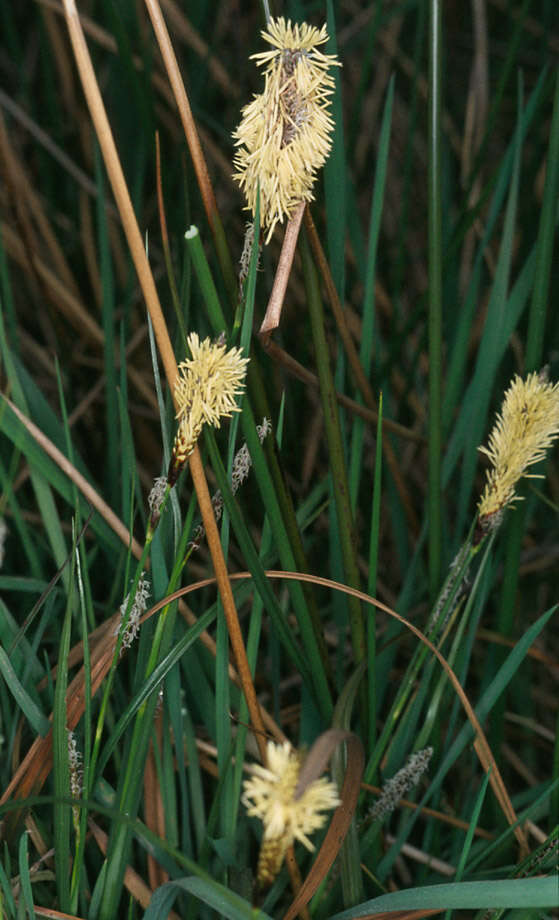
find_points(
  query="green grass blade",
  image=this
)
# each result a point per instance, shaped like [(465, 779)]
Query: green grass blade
[(37, 720), (205, 280), (109, 363), (221, 899), (435, 297), (25, 877), (368, 327), (514, 894), (61, 770), (7, 903), (374, 541), (544, 250), (340, 484)]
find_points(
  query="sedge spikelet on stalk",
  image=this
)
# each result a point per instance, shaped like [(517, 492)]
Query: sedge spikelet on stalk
[(242, 463), (270, 795), (526, 427), (206, 391), (284, 134), (395, 788)]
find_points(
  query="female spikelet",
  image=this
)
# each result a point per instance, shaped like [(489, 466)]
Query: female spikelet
[(284, 135)]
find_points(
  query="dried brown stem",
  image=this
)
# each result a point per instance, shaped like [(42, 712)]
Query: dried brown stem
[(80, 481), (183, 105), (135, 243), (275, 303), (193, 141), (298, 370)]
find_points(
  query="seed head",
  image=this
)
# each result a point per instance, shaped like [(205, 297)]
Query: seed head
[(270, 795), (284, 134), (527, 425)]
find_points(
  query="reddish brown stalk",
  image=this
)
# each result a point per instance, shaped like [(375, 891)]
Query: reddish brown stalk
[(135, 242), (300, 372), (275, 303), (193, 141), (185, 111)]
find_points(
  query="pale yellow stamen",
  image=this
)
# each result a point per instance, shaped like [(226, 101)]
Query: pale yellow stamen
[(284, 135), (206, 391), (526, 427), (270, 796)]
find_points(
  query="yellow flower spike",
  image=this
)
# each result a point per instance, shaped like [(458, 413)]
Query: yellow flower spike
[(527, 425), (270, 796), (214, 376), (284, 134), (206, 390)]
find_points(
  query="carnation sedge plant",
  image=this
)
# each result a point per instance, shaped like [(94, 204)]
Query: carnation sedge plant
[(284, 137), (187, 762)]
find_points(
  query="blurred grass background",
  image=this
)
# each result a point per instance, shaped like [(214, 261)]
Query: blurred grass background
[(437, 212)]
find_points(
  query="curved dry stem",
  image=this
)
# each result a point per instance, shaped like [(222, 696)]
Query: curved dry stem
[(341, 819), (481, 744), (87, 490)]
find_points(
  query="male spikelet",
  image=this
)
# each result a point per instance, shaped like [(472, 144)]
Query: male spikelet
[(270, 794), (206, 391), (527, 425), (284, 134)]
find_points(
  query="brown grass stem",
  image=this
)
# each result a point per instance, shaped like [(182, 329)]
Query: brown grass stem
[(300, 372), (133, 236), (194, 145), (74, 475), (275, 303)]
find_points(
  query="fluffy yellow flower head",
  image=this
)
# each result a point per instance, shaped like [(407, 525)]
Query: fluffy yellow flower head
[(284, 135), (527, 425), (206, 390), (270, 795)]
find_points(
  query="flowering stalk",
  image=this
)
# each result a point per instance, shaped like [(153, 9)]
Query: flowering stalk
[(287, 813), (131, 615), (526, 427), (395, 788), (242, 463), (284, 134), (206, 390), (75, 763)]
